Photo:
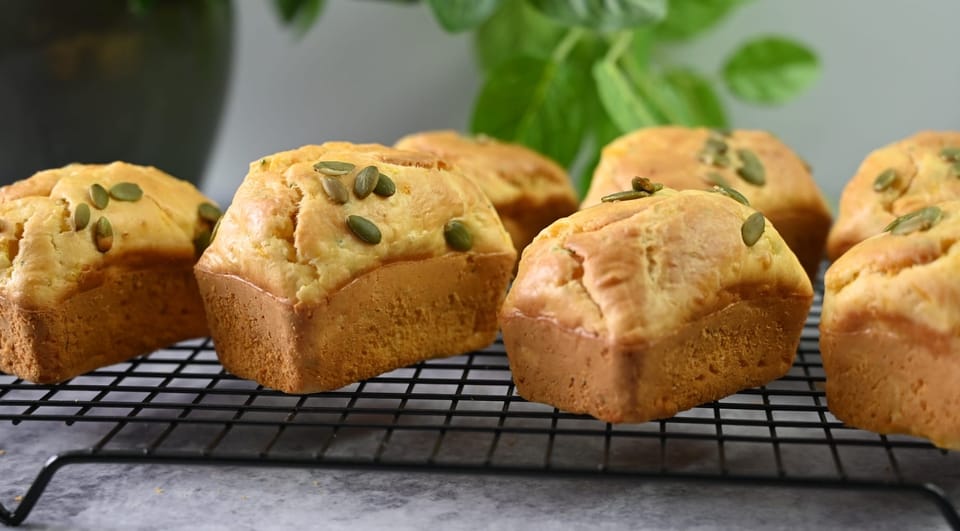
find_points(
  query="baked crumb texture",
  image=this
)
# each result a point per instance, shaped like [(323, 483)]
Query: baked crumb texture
[(923, 177), (890, 333), (67, 307), (635, 310), (299, 303), (675, 156)]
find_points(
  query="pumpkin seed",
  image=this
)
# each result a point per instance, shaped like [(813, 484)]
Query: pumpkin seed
[(731, 193), (103, 235), (752, 229), (642, 184), (364, 229), (209, 212), (457, 235), (216, 227), (385, 186), (624, 196), (99, 196), (751, 169), (335, 190), (950, 154), (126, 192), (201, 242), (716, 178), (366, 181), (716, 145), (956, 169), (920, 220), (81, 216), (333, 167), (721, 161), (884, 180)]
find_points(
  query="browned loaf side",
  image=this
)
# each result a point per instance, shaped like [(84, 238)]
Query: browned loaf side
[(298, 302)]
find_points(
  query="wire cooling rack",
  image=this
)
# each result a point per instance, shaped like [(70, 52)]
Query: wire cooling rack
[(461, 414)]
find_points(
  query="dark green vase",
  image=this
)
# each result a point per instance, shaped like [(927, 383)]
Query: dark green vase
[(97, 81)]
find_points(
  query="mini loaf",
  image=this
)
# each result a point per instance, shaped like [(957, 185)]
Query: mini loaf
[(338, 262), (97, 265), (890, 329), (636, 309), (528, 190), (894, 180), (769, 174)]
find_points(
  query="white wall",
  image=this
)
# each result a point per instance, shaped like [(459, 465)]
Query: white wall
[(372, 71)]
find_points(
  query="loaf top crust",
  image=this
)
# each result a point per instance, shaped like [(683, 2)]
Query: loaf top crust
[(909, 278), (671, 155), (285, 235), (44, 258), (634, 271), (923, 178), (506, 172)]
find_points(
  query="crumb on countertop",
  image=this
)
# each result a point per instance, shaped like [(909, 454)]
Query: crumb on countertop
[(158, 490), (18, 499)]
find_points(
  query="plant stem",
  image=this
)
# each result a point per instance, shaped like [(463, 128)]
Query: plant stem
[(618, 46), (565, 46)]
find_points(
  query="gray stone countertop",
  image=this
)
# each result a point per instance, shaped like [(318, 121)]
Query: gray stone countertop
[(191, 497)]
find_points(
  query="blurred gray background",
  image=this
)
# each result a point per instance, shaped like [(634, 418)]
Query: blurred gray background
[(372, 71)]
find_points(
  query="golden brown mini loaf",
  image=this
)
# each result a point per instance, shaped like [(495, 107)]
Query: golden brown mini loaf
[(97, 265), (775, 180), (635, 310), (896, 179), (528, 190), (890, 329), (338, 262)]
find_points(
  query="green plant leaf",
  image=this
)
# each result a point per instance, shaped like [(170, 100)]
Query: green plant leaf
[(703, 105), (620, 100), (687, 18), (770, 70), (535, 102), (604, 15), (461, 15), (516, 29), (301, 14)]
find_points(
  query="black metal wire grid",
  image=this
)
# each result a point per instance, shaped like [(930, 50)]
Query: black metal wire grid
[(461, 414)]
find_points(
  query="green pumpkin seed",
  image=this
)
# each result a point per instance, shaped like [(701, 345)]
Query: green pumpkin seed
[(642, 184), (731, 193), (209, 212), (721, 161), (366, 181), (716, 178), (457, 235), (920, 220), (103, 235), (81, 216), (335, 190), (126, 192), (333, 167), (751, 169), (364, 229), (624, 196), (716, 145), (201, 242), (956, 169), (99, 196), (752, 229), (950, 154), (216, 227), (385, 186), (884, 180)]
